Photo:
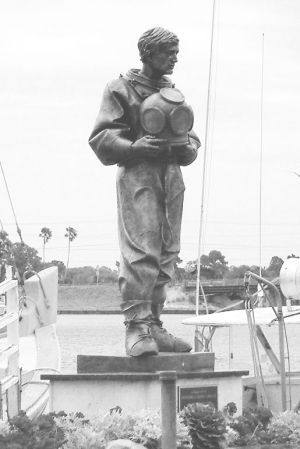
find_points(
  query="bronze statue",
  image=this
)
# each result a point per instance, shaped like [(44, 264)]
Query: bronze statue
[(144, 126)]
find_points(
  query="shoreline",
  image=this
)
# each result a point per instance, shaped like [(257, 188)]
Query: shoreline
[(105, 299), (119, 312)]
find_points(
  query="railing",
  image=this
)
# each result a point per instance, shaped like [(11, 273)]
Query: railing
[(219, 287), (10, 382), (281, 330)]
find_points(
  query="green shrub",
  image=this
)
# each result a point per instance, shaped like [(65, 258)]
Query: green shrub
[(285, 427), (251, 426), (198, 426), (23, 433)]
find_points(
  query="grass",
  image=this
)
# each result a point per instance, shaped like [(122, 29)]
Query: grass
[(89, 297), (106, 297)]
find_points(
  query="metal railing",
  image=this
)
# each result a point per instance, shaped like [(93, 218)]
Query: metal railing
[(281, 331), (9, 353)]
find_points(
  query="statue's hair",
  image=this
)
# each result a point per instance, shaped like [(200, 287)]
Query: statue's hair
[(153, 39)]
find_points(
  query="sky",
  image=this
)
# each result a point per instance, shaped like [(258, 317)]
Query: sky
[(56, 58)]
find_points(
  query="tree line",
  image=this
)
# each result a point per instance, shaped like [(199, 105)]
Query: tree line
[(213, 266), (25, 258)]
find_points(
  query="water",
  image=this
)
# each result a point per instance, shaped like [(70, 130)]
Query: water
[(105, 335), (102, 334)]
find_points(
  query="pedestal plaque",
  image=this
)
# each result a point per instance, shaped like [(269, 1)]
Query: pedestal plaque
[(204, 395)]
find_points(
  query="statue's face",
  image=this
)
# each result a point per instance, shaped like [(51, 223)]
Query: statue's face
[(164, 59)]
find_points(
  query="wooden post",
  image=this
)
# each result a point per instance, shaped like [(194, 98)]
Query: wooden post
[(168, 409)]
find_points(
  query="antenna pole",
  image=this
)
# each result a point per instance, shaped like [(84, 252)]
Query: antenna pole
[(199, 286)]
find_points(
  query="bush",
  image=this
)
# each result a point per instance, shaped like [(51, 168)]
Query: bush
[(23, 433), (285, 427), (199, 426), (252, 426)]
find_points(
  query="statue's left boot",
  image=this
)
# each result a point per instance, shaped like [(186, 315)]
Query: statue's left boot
[(165, 341)]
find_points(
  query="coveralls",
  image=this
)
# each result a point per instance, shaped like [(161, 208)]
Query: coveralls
[(149, 192)]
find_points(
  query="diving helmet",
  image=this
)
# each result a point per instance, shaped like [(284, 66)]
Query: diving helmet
[(166, 115)]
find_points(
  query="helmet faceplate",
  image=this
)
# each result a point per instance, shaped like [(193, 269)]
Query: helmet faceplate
[(166, 115)]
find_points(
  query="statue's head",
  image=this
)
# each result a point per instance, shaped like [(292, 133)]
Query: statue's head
[(159, 42)]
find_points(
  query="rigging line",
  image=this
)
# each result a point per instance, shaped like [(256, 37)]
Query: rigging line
[(212, 127), (204, 162), (261, 151), (11, 203)]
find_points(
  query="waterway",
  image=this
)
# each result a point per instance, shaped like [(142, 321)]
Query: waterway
[(105, 334)]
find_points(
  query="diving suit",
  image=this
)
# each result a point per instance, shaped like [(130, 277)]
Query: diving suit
[(150, 195)]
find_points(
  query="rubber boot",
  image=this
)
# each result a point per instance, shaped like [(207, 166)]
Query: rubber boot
[(138, 339), (166, 342)]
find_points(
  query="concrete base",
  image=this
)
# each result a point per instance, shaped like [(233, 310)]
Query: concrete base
[(91, 393), (105, 382)]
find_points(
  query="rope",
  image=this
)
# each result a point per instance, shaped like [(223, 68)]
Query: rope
[(283, 341), (260, 384), (289, 365), (46, 300), (286, 346), (29, 267), (11, 204), (23, 304)]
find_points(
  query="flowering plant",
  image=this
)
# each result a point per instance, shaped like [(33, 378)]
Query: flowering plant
[(143, 427), (285, 427)]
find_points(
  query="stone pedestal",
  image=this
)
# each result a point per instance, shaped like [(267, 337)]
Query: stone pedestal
[(103, 383), (199, 361)]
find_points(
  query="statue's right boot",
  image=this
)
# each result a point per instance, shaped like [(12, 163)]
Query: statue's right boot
[(138, 339)]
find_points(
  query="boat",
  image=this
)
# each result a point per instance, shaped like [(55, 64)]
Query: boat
[(29, 346), (272, 382)]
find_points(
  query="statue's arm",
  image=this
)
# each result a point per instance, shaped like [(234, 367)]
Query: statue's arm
[(110, 138), (186, 154)]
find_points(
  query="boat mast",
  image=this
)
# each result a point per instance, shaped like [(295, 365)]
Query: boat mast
[(205, 151), (261, 152)]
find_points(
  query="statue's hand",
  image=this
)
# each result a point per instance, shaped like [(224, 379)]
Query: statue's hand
[(182, 149), (149, 146), (185, 154)]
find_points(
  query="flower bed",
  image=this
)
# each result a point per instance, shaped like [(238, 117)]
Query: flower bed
[(199, 426)]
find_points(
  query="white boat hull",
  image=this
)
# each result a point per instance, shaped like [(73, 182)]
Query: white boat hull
[(39, 350), (273, 391)]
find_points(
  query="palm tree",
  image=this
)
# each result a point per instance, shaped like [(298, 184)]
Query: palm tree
[(46, 235), (71, 234)]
